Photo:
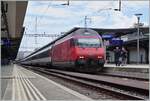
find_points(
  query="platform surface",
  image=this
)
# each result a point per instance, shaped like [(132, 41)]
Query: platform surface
[(128, 66), (5, 76), (27, 85)]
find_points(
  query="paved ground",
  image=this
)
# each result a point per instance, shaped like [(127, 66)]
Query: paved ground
[(6, 73), (26, 85), (21, 84)]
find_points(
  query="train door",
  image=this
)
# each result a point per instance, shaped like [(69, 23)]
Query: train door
[(63, 49), (67, 51), (71, 49), (50, 55)]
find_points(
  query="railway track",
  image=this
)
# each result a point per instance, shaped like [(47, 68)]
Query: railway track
[(123, 92)]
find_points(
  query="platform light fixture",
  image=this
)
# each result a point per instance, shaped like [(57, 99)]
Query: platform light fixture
[(138, 33)]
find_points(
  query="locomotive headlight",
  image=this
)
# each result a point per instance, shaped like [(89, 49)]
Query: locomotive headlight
[(81, 57), (99, 57)]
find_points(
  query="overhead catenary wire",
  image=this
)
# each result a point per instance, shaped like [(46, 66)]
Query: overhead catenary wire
[(92, 14), (44, 12), (50, 4), (105, 9)]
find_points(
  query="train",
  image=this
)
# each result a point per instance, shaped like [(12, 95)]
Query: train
[(79, 50)]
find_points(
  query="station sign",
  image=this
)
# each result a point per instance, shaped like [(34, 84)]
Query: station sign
[(107, 36), (116, 42)]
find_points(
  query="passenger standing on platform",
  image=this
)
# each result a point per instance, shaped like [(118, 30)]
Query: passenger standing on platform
[(123, 56), (117, 56)]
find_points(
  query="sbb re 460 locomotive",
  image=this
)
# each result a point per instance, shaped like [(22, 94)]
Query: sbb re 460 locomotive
[(81, 50)]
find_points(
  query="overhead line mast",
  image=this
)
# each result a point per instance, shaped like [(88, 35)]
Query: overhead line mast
[(36, 30), (119, 5)]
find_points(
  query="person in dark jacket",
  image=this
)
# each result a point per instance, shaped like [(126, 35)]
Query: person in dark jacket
[(123, 56), (117, 56)]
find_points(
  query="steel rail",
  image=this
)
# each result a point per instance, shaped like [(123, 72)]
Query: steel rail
[(124, 76)]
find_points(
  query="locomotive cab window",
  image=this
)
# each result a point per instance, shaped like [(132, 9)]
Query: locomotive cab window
[(88, 42), (86, 33)]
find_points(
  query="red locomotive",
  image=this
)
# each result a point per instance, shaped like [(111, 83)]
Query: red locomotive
[(80, 50)]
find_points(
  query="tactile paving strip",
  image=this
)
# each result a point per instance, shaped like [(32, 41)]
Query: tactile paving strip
[(23, 89)]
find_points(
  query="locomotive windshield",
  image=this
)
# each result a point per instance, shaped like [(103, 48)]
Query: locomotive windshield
[(88, 42)]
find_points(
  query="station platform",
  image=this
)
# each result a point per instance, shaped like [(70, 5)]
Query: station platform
[(27, 85), (128, 66)]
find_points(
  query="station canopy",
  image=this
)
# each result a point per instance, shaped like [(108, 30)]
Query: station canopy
[(113, 32)]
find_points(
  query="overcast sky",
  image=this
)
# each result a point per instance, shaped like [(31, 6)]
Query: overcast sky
[(54, 18)]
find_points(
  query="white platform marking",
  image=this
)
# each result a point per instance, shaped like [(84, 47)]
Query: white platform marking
[(35, 91), (83, 97), (21, 83)]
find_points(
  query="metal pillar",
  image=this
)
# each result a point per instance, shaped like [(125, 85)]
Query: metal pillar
[(85, 22), (138, 33), (36, 31), (138, 47), (86, 19), (119, 5)]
